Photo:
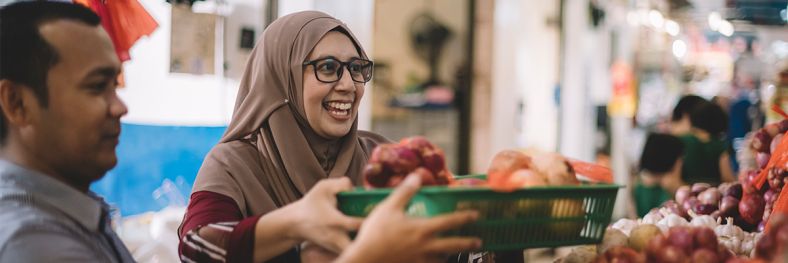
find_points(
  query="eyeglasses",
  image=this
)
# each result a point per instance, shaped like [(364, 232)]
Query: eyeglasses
[(329, 70)]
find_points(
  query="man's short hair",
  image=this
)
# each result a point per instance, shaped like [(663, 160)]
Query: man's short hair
[(25, 57), (685, 105), (660, 153)]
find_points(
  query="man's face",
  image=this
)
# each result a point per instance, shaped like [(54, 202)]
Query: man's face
[(76, 134)]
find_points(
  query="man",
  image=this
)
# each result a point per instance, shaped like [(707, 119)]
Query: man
[(59, 128)]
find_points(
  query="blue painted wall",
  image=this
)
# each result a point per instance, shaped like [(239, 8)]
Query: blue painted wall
[(156, 166)]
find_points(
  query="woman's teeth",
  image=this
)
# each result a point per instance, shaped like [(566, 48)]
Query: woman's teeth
[(338, 108), (339, 105)]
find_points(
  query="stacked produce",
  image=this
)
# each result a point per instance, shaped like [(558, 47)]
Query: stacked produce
[(764, 143), (391, 163), (714, 224), (741, 202), (646, 243), (636, 233), (773, 245)]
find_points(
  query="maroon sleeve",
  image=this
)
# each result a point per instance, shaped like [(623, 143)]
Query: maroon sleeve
[(207, 208)]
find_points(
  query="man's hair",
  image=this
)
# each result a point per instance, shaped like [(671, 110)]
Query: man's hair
[(25, 57), (711, 118), (685, 105), (660, 153)]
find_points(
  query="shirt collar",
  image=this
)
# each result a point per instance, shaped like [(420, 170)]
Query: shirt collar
[(86, 209)]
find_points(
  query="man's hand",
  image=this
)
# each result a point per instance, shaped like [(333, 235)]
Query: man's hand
[(389, 235), (317, 219)]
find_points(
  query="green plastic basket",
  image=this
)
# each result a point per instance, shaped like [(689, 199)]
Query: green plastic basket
[(526, 218)]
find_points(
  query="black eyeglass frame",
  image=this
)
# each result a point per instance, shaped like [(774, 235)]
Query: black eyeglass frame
[(342, 64)]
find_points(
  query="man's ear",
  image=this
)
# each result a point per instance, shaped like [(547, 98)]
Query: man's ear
[(13, 102)]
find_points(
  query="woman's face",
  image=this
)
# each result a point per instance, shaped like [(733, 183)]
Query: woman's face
[(331, 108)]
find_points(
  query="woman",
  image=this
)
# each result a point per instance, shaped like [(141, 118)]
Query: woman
[(294, 124), (705, 157)]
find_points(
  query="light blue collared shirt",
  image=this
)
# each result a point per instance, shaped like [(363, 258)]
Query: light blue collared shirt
[(45, 220)]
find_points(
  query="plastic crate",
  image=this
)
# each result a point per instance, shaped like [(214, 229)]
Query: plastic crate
[(526, 218)]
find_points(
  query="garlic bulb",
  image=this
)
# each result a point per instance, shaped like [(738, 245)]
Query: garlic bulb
[(625, 225), (702, 220), (729, 230), (652, 217)]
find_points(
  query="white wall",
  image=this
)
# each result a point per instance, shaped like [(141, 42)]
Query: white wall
[(525, 71), (155, 96)]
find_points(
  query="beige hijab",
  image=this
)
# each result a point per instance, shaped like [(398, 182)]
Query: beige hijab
[(269, 155)]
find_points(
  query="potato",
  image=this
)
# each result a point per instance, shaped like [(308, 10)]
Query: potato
[(640, 235), (613, 237)]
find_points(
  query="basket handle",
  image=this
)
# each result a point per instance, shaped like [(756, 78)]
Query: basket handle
[(592, 171)]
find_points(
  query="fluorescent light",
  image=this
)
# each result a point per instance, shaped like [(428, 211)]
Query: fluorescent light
[(714, 21), (726, 28), (656, 19), (672, 27), (679, 48)]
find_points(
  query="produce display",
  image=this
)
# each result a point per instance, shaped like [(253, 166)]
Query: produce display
[(647, 243), (703, 223), (744, 221)]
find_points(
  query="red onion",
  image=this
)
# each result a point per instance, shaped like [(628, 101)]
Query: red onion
[(698, 188), (671, 254), (705, 238), (783, 126), (705, 256), (395, 158), (749, 186), (655, 245), (374, 175), (751, 208), (704, 209), (761, 141), (781, 236), (776, 177), (729, 206), (710, 197), (683, 193), (675, 208), (724, 253), (735, 190), (681, 237), (688, 204), (765, 247), (762, 159)]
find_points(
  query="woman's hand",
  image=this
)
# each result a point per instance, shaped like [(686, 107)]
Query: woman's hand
[(389, 235), (311, 253), (316, 218)]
